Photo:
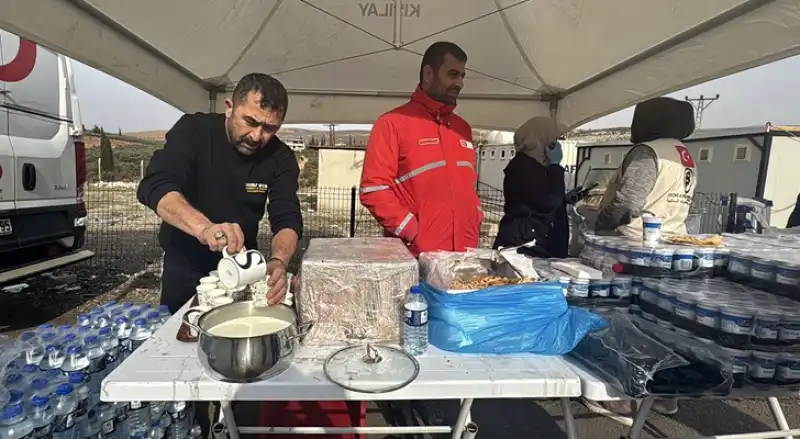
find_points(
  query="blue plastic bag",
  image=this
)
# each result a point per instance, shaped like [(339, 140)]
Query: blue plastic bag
[(525, 318)]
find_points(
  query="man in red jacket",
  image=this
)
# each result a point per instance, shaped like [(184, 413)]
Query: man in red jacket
[(419, 174)]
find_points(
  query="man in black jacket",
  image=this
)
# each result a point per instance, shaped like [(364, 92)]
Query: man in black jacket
[(210, 185)]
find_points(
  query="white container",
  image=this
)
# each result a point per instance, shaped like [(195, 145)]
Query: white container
[(651, 229), (788, 273), (767, 324), (579, 288), (763, 269), (788, 367), (624, 253), (641, 256), (685, 304), (762, 365), (721, 256), (736, 319), (683, 259), (705, 257), (662, 258), (707, 312)]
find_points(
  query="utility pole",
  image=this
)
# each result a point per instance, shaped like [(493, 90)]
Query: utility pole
[(332, 133), (700, 104)]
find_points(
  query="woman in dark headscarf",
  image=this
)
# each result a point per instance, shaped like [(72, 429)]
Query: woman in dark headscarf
[(534, 191)]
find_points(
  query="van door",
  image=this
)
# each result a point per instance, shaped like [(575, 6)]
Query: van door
[(8, 207), (44, 154)]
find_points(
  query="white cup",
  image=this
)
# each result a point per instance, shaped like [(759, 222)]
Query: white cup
[(209, 280), (241, 269), (651, 229), (214, 273), (207, 297)]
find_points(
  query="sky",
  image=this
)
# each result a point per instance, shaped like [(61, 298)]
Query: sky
[(753, 97)]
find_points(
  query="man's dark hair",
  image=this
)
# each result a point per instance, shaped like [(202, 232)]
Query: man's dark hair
[(434, 56), (273, 93)]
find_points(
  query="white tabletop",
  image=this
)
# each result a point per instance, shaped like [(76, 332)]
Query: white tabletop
[(164, 369)]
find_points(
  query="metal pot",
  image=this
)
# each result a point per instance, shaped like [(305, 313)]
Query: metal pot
[(245, 359)]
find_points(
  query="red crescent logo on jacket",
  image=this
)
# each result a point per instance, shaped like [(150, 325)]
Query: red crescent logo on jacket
[(686, 158), (22, 65)]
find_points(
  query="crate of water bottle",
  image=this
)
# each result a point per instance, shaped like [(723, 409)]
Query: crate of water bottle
[(731, 315), (771, 269), (660, 257)]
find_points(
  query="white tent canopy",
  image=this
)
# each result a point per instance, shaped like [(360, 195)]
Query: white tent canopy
[(350, 60)]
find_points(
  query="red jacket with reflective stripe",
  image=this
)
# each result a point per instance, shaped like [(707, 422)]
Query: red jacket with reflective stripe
[(419, 177)]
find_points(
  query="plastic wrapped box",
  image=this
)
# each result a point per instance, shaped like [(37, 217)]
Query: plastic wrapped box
[(353, 289)]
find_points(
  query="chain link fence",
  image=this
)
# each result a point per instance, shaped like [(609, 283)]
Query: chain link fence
[(124, 234)]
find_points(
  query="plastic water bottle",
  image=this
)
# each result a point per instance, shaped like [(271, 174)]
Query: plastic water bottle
[(53, 358), (14, 381), (84, 321), (110, 345), (138, 417), (415, 328), (140, 333), (64, 407), (65, 329), (154, 319), (122, 330), (83, 332), (181, 421), (54, 378), (121, 421), (75, 361), (107, 415), (156, 432), (47, 327), (30, 372), (15, 397), (48, 338), (97, 363), (163, 310), (40, 387), (32, 348), (42, 416), (83, 397), (14, 424), (92, 428)]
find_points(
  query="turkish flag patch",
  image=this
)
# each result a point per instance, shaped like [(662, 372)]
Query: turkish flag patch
[(686, 158)]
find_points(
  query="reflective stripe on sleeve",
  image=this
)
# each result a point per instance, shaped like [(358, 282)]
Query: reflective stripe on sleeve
[(420, 170), (368, 189), (403, 224)]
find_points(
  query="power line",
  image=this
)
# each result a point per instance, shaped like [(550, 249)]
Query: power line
[(700, 104)]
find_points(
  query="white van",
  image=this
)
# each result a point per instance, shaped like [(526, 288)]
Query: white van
[(42, 161)]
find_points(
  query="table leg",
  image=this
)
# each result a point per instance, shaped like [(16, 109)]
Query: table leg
[(777, 413), (461, 421), (226, 424), (641, 417), (569, 420)]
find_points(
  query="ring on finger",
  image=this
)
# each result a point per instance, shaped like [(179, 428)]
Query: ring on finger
[(219, 235)]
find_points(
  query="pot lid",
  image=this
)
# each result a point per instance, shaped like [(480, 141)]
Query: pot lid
[(371, 368)]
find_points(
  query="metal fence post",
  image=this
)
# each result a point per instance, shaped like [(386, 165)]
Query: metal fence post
[(353, 211), (730, 224)]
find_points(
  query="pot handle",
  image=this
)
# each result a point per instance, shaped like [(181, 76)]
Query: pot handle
[(302, 330), (191, 316)]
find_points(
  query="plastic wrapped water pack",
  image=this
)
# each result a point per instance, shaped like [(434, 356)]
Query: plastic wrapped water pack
[(603, 252), (9, 352), (353, 289), (638, 364)]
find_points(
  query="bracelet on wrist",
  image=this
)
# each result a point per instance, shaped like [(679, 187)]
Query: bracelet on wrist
[(285, 266)]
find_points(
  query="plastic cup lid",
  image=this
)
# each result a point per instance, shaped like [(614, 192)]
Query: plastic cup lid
[(371, 368)]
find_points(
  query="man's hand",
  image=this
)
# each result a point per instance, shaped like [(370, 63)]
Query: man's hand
[(219, 236), (276, 270)]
